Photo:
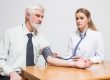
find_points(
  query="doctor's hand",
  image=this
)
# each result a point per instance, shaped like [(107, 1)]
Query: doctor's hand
[(88, 61), (76, 58), (15, 76)]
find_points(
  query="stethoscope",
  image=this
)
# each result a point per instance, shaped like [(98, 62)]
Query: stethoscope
[(75, 49)]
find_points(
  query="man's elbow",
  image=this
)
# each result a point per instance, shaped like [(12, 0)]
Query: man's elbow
[(50, 60)]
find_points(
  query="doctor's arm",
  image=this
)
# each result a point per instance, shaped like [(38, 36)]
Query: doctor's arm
[(99, 50)]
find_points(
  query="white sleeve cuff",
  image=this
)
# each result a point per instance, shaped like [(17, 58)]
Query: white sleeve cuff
[(6, 70), (96, 60)]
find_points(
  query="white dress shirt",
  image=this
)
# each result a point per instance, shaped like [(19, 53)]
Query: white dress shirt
[(13, 49), (90, 47)]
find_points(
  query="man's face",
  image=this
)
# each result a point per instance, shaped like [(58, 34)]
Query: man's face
[(36, 19)]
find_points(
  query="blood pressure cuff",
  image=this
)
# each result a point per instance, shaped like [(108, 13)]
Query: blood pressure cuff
[(46, 52)]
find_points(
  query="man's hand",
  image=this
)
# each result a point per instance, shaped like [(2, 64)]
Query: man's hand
[(15, 76), (82, 64), (86, 60)]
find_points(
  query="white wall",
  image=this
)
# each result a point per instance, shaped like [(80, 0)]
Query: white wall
[(59, 19)]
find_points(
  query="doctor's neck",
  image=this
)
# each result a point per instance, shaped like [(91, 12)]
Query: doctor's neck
[(83, 29)]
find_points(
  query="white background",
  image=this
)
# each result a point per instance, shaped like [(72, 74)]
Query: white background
[(59, 20)]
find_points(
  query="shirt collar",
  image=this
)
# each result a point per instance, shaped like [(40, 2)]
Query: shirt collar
[(26, 31), (82, 34)]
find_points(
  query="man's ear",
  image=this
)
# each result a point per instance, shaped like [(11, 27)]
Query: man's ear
[(26, 14)]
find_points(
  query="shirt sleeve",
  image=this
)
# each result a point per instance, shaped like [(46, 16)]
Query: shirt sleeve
[(4, 49), (42, 43), (70, 45), (99, 52)]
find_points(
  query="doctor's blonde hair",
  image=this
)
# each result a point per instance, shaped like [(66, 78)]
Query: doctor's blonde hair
[(91, 24)]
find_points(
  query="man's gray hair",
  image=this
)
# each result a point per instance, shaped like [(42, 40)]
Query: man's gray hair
[(31, 9)]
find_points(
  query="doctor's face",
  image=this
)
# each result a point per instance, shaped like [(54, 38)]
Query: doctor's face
[(81, 21)]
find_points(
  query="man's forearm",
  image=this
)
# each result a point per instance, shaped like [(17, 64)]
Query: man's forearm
[(64, 63), (59, 62)]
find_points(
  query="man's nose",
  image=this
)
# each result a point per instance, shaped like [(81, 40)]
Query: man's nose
[(40, 19)]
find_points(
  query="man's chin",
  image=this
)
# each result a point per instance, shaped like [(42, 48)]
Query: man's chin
[(36, 27)]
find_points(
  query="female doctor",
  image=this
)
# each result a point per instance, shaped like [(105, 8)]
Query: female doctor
[(87, 42)]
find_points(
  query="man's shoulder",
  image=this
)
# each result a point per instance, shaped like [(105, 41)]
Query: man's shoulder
[(14, 29)]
